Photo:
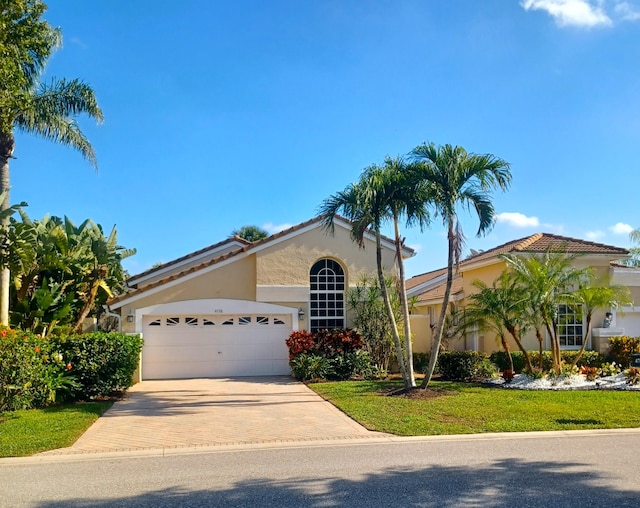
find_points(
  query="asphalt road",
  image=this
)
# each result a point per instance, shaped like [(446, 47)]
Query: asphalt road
[(542, 469)]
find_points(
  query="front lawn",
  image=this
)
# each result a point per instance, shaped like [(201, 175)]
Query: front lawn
[(37, 430), (461, 408)]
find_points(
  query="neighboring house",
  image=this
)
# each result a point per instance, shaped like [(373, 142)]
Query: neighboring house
[(486, 266), (227, 309)]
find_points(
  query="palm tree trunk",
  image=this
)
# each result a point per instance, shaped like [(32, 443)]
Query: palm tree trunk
[(584, 342), (507, 349), (99, 275), (7, 145), (437, 338), (405, 307), (516, 337), (540, 347), (387, 305)]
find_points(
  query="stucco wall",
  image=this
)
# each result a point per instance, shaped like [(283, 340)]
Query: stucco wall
[(288, 262), (233, 281)]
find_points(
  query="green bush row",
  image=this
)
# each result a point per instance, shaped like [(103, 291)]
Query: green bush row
[(36, 372), (358, 364), (588, 359)]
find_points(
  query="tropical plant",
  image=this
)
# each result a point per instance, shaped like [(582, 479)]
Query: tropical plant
[(548, 280), (499, 308), (61, 272), (634, 260), (370, 319), (382, 194), (45, 109), (455, 178), (588, 298), (250, 233)]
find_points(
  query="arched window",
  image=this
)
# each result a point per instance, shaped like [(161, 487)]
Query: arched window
[(327, 296)]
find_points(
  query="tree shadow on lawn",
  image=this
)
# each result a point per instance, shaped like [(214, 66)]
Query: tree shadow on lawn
[(503, 483)]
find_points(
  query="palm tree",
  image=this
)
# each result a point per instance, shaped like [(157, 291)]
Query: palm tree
[(408, 198), (250, 233), (634, 260), (499, 308), (548, 280), (457, 178), (366, 205), (47, 110), (587, 299)]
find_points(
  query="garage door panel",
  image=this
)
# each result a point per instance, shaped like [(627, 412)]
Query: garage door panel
[(180, 354), (182, 347)]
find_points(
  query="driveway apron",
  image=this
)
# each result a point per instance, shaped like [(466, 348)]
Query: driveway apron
[(201, 412)]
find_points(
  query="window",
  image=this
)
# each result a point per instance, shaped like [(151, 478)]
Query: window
[(245, 320), (570, 326), (155, 322), (262, 320), (228, 322), (207, 322), (327, 283), (173, 321), (191, 321)]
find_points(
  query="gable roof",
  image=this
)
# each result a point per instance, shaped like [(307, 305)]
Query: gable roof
[(250, 247), (430, 285), (231, 243)]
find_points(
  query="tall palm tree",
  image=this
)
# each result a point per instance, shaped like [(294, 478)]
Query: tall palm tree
[(366, 205), (45, 109), (407, 197), (457, 178)]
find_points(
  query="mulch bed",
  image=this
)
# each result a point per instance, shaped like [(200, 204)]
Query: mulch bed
[(416, 393)]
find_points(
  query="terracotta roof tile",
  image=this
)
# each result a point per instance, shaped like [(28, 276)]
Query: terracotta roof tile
[(249, 246)]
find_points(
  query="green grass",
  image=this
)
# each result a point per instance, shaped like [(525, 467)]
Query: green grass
[(468, 409), (36, 430)]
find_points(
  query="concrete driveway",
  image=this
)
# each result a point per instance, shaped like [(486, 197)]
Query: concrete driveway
[(201, 412)]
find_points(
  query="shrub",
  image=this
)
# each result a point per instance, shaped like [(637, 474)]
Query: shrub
[(622, 348), (102, 363), (421, 362), (308, 366), (499, 358), (610, 369), (633, 376), (299, 342), (589, 358), (33, 373), (465, 365), (341, 352), (591, 373), (330, 343)]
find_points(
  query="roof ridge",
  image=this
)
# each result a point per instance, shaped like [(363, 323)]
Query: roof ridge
[(526, 242)]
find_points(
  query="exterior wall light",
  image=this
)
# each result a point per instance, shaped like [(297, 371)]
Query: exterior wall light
[(300, 313), (131, 317)]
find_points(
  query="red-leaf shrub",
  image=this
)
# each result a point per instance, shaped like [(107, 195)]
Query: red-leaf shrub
[(299, 342), (337, 342)]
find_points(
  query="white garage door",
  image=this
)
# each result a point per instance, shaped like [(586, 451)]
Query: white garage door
[(219, 345)]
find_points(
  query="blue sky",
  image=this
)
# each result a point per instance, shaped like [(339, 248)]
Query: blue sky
[(222, 114)]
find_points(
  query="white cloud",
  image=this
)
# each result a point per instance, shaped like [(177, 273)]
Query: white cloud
[(275, 228), (517, 220), (581, 13), (621, 228), (594, 235), (627, 12)]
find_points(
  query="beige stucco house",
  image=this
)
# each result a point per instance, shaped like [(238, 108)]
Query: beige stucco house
[(227, 309), (486, 266)]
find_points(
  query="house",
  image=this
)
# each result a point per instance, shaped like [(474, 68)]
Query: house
[(428, 289), (227, 309)]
